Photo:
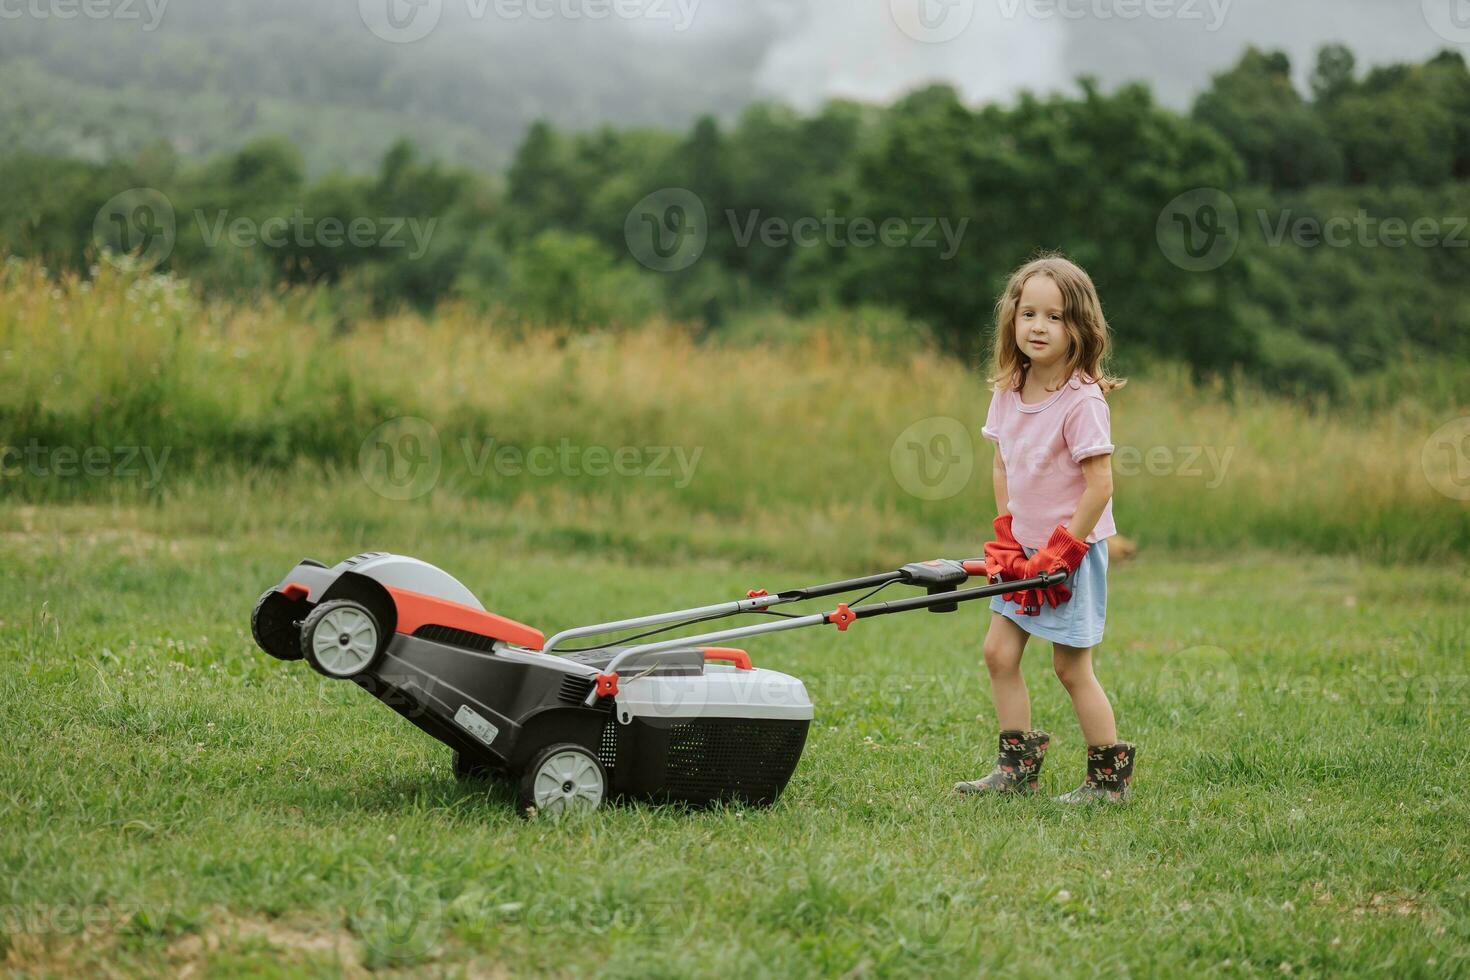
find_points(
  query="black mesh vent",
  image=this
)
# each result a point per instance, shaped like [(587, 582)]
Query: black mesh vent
[(607, 749), (729, 759), (459, 638)]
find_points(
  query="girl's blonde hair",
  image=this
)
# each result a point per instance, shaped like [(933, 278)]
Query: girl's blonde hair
[(1082, 317)]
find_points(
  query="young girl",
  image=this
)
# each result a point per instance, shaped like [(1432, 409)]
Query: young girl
[(1053, 489)]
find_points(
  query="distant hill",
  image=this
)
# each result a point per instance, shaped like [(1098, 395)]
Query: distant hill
[(209, 79)]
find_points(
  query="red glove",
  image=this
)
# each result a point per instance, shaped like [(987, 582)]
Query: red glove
[(1031, 600), (1003, 556), (1062, 553)]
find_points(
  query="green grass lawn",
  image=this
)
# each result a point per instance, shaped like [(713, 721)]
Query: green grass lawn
[(171, 799)]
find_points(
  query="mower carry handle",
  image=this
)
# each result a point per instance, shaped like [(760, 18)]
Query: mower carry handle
[(729, 655)]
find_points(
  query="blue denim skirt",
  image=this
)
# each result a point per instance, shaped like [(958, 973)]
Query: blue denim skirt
[(1078, 622)]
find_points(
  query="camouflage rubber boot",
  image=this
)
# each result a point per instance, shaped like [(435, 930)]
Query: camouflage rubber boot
[(1017, 767), (1109, 775)]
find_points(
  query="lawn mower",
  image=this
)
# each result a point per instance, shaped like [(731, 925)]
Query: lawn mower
[(672, 720)]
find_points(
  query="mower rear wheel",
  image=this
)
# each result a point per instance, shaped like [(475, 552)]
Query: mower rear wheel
[(273, 625), (341, 638), (563, 779)]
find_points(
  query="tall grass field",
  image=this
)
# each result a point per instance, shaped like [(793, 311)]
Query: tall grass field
[(1288, 644), (852, 447)]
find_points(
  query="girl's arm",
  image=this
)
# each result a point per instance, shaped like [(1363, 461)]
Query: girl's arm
[(1098, 472), (1002, 494)]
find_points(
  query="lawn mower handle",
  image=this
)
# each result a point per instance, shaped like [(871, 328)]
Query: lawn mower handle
[(755, 600), (841, 617)]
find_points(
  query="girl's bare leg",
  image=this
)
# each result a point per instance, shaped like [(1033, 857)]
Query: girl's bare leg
[(1004, 644), (1074, 669), (1020, 750)]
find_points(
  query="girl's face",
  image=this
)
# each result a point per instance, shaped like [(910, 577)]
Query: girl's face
[(1041, 330)]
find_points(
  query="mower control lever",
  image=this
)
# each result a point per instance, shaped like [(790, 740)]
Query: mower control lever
[(936, 572)]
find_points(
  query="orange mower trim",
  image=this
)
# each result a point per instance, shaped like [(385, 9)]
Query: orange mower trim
[(416, 609)]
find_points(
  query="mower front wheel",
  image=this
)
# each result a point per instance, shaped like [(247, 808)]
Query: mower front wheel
[(563, 779), (273, 625), (341, 638)]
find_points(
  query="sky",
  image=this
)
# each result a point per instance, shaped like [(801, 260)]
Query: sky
[(990, 49)]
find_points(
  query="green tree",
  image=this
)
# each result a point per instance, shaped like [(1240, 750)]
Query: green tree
[(1282, 141), (1333, 75)]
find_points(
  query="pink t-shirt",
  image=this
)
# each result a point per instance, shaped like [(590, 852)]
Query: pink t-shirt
[(1043, 446)]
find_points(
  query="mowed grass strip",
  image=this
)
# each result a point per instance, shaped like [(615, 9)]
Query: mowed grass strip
[(170, 798)]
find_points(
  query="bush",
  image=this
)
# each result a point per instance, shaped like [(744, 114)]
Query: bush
[(1293, 365), (570, 279)]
